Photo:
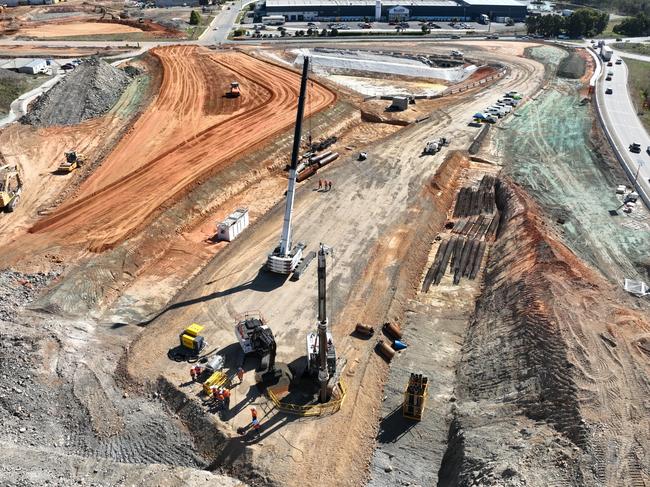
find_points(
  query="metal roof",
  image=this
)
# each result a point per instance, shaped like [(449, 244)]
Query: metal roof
[(496, 3), (360, 3)]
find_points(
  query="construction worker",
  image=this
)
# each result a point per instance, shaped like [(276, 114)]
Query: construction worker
[(320, 184), (254, 414), (256, 426), (226, 398), (240, 374), (195, 372), (329, 185)]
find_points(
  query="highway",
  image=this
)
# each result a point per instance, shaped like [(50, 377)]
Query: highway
[(624, 125)]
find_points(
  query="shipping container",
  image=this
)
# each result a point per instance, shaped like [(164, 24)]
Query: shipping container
[(232, 226)]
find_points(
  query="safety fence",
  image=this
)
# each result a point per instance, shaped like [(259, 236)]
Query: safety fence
[(313, 409)]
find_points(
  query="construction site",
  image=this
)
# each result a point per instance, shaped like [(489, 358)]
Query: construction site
[(368, 263)]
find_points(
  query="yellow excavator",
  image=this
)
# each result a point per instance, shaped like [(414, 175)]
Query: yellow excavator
[(72, 161), (10, 187)]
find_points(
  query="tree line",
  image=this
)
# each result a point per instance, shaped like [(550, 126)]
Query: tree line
[(584, 22), (636, 26)]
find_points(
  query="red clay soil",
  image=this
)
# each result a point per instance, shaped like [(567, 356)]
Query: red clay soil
[(147, 26), (139, 178)]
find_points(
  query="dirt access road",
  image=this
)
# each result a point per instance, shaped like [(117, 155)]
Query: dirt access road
[(150, 169), (68, 29), (370, 218)]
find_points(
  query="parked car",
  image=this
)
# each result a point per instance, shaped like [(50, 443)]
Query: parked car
[(608, 91)]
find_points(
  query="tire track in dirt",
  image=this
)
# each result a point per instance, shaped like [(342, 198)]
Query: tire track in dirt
[(105, 217)]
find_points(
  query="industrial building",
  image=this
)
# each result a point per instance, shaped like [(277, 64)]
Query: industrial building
[(440, 10)]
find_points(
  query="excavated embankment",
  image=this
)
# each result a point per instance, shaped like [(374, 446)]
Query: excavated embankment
[(548, 368)]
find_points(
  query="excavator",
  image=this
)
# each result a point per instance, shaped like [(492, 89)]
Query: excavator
[(321, 353), (256, 338), (10, 187), (72, 161)]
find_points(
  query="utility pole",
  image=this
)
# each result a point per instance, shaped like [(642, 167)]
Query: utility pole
[(638, 168)]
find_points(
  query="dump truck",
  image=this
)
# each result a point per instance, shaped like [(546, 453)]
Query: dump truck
[(234, 90), (10, 188), (72, 161)]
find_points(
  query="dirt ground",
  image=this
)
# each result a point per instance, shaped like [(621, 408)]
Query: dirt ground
[(181, 162), (379, 199), (50, 31), (539, 366)]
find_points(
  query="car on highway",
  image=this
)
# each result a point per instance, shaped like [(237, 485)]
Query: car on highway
[(635, 148), (619, 61), (609, 64), (608, 78), (455, 37), (648, 150), (608, 91)]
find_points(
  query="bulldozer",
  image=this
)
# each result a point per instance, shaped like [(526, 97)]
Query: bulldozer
[(72, 161), (234, 90), (10, 187)]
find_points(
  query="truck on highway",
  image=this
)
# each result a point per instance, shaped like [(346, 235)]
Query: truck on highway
[(483, 19), (606, 53)]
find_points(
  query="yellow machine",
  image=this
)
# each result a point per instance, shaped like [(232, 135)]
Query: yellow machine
[(234, 90), (415, 397), (191, 339), (218, 379), (72, 161), (10, 187)]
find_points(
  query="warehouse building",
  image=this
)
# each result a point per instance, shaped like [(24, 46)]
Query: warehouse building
[(440, 10)]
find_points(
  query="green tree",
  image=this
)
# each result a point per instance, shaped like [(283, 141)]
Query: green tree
[(334, 32), (639, 25), (195, 18)]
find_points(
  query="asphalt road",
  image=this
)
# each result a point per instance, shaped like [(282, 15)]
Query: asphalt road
[(624, 124)]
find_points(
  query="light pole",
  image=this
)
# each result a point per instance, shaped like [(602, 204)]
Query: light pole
[(638, 168)]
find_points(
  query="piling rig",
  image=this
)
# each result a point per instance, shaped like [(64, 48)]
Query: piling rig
[(321, 354)]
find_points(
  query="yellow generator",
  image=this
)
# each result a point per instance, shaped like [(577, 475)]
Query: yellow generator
[(191, 339)]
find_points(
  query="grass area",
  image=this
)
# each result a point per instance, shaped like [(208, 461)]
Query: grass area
[(634, 47), (195, 31), (12, 85), (609, 30), (243, 11), (639, 81)]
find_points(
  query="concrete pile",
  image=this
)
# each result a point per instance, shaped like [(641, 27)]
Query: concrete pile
[(88, 92)]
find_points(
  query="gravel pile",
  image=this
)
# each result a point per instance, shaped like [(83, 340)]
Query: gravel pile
[(18, 290), (88, 92)]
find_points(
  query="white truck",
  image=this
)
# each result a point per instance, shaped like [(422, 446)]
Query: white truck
[(606, 53)]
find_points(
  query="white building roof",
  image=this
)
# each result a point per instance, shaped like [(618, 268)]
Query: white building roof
[(496, 3), (347, 3)]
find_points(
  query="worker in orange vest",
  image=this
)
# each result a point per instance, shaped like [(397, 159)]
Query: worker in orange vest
[(320, 184), (226, 398), (195, 372), (254, 414)]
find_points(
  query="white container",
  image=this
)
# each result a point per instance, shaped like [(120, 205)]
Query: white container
[(232, 226)]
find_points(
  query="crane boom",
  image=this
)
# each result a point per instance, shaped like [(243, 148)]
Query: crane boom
[(286, 257), (285, 241)]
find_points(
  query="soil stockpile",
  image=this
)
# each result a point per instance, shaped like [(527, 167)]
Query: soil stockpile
[(572, 66), (88, 92)]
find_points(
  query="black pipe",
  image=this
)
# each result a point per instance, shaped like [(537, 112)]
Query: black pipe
[(301, 107)]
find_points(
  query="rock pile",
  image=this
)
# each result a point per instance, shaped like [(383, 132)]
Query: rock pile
[(88, 92)]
